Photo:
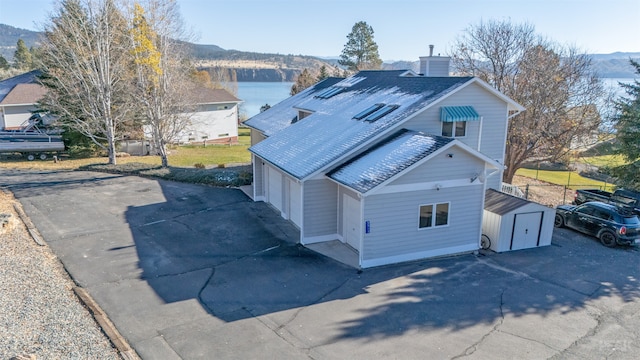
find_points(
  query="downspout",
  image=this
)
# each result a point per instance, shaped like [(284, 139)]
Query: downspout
[(480, 133)]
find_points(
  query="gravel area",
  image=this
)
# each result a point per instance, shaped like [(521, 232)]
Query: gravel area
[(40, 316), (544, 193)]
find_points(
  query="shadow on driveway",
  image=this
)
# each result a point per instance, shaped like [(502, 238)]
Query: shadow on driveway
[(239, 260)]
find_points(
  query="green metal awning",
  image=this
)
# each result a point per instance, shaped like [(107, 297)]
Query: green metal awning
[(458, 113)]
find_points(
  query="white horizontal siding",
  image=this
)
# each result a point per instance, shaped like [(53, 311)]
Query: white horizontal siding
[(258, 178), (393, 220), (461, 165), (209, 123), (16, 115), (256, 136), (494, 120), (320, 208)]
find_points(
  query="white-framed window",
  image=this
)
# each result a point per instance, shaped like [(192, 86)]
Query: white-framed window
[(434, 215), (454, 128)]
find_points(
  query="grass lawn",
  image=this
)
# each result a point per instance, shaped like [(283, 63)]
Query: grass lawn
[(572, 179), (603, 160), (180, 156)]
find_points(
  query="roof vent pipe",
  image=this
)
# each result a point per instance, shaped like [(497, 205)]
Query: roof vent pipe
[(430, 50)]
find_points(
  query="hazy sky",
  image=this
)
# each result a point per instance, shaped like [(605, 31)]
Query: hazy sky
[(403, 28)]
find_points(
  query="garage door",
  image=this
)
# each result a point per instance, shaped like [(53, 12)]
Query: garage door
[(526, 230), (274, 194)]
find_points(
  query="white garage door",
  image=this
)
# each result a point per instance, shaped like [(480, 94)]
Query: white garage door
[(274, 194)]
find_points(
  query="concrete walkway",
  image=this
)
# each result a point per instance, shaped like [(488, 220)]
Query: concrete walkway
[(195, 272)]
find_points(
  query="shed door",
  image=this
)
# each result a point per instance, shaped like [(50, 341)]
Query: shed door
[(526, 230), (352, 228), (274, 196)]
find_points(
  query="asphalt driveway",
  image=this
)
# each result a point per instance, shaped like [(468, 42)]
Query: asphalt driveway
[(195, 272)]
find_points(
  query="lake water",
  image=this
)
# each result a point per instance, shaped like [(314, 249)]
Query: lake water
[(256, 94)]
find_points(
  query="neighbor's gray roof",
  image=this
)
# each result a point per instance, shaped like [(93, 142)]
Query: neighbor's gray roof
[(385, 160), (306, 146), (500, 203), (24, 94), (203, 95), (7, 85)]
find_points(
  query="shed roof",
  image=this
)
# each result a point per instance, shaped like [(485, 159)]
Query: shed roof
[(387, 159), (500, 203), (301, 148)]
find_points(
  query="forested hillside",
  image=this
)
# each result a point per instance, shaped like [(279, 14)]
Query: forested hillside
[(251, 66)]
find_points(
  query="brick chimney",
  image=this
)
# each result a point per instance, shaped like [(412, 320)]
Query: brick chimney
[(434, 65)]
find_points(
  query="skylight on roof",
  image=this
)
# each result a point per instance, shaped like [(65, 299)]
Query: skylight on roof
[(381, 112), (331, 91), (368, 111)]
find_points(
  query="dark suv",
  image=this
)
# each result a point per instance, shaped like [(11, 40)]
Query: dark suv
[(612, 225)]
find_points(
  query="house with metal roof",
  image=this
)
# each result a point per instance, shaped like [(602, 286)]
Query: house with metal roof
[(392, 164)]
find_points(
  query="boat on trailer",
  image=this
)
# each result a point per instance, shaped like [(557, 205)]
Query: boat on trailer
[(31, 144)]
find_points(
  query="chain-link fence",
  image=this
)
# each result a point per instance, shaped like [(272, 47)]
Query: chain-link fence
[(553, 195)]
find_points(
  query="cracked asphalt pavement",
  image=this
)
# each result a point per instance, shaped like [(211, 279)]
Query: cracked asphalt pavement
[(195, 272)]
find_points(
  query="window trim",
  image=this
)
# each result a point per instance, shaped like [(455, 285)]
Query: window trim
[(453, 129), (434, 207)]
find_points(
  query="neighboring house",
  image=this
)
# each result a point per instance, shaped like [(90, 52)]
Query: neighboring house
[(392, 163), (215, 119), (18, 98)]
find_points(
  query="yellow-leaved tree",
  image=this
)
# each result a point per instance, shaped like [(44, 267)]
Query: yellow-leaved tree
[(162, 81)]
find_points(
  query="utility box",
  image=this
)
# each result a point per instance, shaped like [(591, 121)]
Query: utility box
[(513, 223)]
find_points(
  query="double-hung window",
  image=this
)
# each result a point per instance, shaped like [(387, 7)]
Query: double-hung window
[(434, 215), (454, 129)]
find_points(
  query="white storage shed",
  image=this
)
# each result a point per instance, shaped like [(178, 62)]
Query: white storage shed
[(512, 223)]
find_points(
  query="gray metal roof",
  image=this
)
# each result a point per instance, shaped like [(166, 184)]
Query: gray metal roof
[(306, 146), (500, 203), (388, 158), (280, 115)]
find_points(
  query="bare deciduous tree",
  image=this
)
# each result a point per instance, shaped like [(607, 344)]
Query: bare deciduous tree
[(555, 84), (163, 83), (84, 56)]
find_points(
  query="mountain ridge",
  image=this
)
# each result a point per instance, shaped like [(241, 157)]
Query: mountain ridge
[(251, 66)]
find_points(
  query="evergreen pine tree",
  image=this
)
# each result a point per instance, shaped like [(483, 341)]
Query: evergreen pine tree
[(628, 132), (303, 81), (22, 56), (360, 52)]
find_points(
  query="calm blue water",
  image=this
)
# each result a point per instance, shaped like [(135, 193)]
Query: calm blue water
[(256, 94), (613, 83)]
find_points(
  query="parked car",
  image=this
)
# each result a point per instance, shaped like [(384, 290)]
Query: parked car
[(620, 197), (611, 224)]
